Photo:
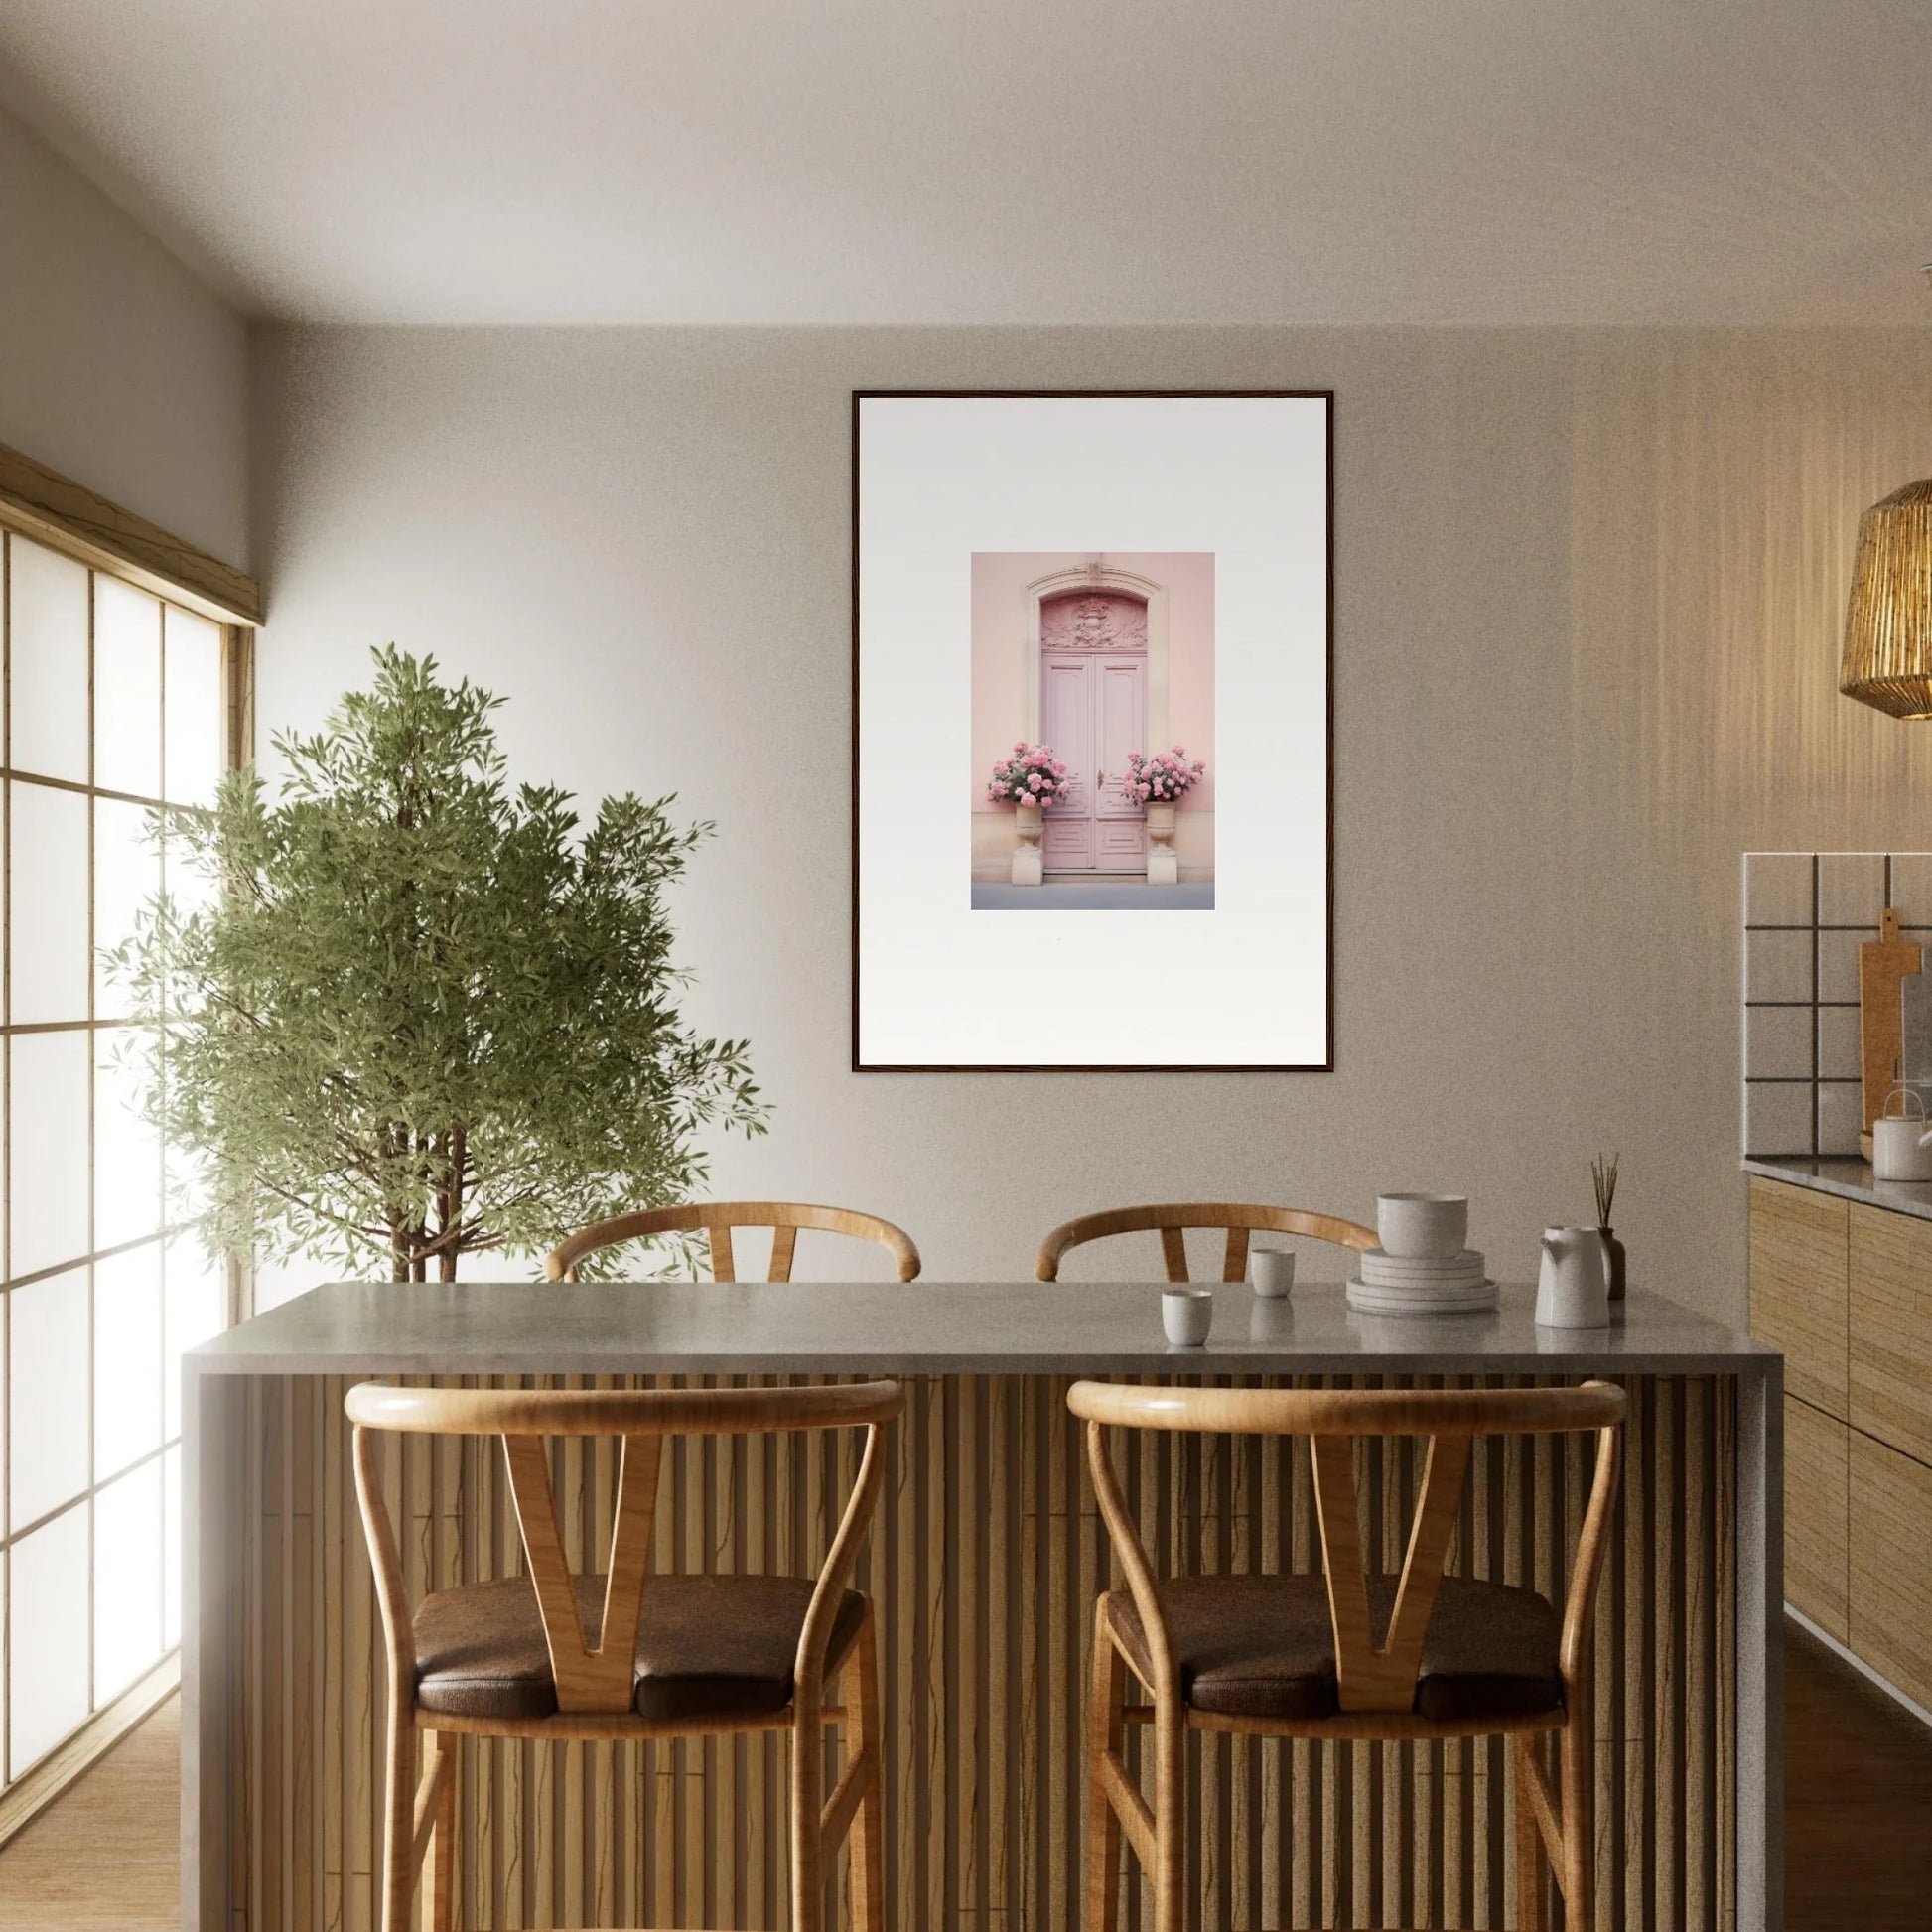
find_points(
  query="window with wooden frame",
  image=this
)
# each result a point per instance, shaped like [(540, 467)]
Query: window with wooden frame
[(125, 685)]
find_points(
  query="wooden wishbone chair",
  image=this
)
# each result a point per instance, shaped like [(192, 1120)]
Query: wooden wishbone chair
[(1346, 1654), (718, 1217), (555, 1656), (1174, 1218)]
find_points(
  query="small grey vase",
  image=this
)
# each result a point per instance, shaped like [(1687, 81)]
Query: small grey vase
[(1614, 1249)]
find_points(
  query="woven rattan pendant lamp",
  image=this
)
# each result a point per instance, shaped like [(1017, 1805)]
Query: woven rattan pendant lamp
[(1887, 658)]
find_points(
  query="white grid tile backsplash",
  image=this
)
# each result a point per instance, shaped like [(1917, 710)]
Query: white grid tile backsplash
[(1806, 913)]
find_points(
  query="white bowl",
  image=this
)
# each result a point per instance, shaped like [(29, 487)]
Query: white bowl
[(1416, 1225)]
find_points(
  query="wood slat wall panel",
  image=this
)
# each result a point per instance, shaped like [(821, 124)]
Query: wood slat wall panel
[(984, 1558)]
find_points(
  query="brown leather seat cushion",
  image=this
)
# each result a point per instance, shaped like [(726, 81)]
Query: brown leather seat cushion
[(1264, 1647), (707, 1646)]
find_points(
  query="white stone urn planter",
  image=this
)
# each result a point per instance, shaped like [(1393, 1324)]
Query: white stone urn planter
[(1162, 868), (1027, 863)]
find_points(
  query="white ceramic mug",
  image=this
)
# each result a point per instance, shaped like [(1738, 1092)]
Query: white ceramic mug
[(1574, 1288), (1272, 1270), (1187, 1313), (1423, 1226)]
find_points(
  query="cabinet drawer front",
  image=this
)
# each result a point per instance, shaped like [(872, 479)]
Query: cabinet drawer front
[(1891, 1329), (1798, 1288), (1891, 1566), (1817, 1506)]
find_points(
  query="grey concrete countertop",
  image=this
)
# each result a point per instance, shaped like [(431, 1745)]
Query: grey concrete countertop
[(931, 1329), (1851, 1179)]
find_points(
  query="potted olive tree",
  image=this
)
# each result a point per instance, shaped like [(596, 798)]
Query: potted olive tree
[(412, 1013)]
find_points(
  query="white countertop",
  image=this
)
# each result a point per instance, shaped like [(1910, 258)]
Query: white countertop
[(1851, 1179)]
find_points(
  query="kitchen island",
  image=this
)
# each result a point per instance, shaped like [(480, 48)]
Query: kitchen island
[(984, 1558)]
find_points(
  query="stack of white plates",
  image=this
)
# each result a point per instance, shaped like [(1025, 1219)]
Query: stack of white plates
[(1421, 1284)]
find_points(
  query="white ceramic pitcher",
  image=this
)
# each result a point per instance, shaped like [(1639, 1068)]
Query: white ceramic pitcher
[(1574, 1288)]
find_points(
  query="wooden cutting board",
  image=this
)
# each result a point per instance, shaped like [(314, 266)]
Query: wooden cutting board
[(1885, 963)]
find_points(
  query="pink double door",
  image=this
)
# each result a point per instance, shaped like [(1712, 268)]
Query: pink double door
[(1093, 712)]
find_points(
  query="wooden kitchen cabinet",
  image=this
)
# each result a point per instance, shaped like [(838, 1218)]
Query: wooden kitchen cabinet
[(1842, 1289), (1799, 1270), (1891, 1329), (1817, 1502), (1891, 1566)]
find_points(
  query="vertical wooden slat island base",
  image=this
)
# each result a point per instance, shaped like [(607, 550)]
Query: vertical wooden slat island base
[(984, 1560)]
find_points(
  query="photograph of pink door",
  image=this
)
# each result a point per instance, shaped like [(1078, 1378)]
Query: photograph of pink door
[(1046, 740), (1091, 672), (1094, 713)]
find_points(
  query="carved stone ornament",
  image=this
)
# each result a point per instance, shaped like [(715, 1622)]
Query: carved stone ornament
[(1094, 620)]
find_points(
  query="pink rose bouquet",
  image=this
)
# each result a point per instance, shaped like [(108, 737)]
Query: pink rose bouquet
[(1162, 777), (1033, 775)]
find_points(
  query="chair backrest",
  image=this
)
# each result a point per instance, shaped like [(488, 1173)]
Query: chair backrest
[(1372, 1674), (592, 1670), (718, 1217), (1174, 1218)]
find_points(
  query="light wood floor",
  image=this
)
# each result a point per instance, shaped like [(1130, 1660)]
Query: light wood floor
[(1857, 1820), (107, 1856)]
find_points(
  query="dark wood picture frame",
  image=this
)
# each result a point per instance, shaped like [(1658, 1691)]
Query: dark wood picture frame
[(1325, 397)]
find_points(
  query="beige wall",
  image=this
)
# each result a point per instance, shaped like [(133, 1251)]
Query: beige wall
[(1588, 592), (117, 367)]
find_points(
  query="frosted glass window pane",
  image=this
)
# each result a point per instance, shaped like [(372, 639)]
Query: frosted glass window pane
[(185, 1173), (48, 1420), (127, 688), (127, 1579), (194, 710), (47, 843), (128, 1151), (46, 1665), (127, 1358), (191, 884), (171, 1549), (127, 875), (48, 668), (48, 1185), (184, 1190), (197, 1306)]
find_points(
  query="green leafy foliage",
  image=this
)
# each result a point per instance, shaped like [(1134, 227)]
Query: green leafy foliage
[(421, 1014)]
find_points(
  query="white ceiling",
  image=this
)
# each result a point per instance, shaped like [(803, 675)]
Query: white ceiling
[(1006, 161)]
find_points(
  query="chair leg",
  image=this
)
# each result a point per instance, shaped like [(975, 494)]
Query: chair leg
[(1576, 1776), (1106, 1734), (807, 1801), (1530, 1868), (866, 1738), (399, 1823), (1170, 1813), (439, 1899)]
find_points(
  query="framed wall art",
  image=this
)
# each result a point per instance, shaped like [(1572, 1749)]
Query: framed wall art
[(1092, 796)]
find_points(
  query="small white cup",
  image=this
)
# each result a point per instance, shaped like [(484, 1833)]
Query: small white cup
[(1423, 1226), (1187, 1313), (1272, 1270)]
